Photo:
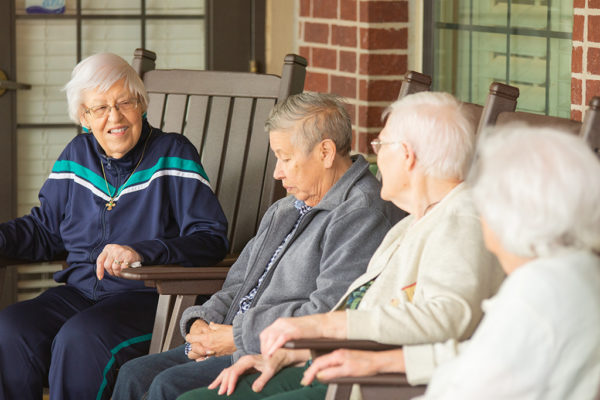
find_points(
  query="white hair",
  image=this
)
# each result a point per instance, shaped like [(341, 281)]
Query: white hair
[(538, 189), (100, 72), (438, 131)]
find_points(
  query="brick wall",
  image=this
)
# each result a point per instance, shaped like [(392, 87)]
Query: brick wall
[(357, 49), (585, 70)]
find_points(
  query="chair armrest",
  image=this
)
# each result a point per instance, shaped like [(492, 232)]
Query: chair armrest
[(387, 379), (177, 280), (7, 262), (321, 346)]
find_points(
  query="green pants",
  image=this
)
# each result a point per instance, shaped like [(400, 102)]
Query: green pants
[(283, 386)]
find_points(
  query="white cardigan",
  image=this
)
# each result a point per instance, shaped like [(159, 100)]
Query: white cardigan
[(540, 338), (431, 277)]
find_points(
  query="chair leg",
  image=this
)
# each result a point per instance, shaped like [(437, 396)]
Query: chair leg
[(173, 338), (163, 310), (337, 391)]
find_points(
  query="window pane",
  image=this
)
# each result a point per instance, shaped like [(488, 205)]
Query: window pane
[(560, 78), (188, 35), (454, 11), (37, 150), (529, 14), (119, 36), (45, 57), (528, 71), (186, 7), (468, 73), (110, 7), (468, 57), (490, 12)]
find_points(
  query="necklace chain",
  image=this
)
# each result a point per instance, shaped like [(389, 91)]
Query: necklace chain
[(111, 203)]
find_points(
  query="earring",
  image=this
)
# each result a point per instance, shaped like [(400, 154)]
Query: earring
[(85, 129), (144, 115)]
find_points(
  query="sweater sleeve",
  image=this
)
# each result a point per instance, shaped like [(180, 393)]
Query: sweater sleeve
[(36, 236), (217, 307), (492, 363), (202, 224), (347, 246), (455, 274)]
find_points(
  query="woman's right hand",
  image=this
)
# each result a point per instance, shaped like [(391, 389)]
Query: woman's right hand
[(228, 378)]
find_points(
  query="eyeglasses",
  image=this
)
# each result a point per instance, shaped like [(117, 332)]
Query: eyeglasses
[(376, 144), (104, 109)]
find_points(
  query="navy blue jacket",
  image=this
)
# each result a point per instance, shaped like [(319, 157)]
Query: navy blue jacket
[(167, 211)]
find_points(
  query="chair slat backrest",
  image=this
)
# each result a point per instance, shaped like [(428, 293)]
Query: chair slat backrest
[(223, 115), (590, 129), (414, 82)]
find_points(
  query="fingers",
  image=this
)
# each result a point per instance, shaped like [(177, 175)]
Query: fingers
[(100, 266), (228, 378), (201, 350), (232, 379), (271, 344), (263, 378), (319, 365), (215, 384), (114, 258)]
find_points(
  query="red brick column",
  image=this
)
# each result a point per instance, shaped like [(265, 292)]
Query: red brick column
[(585, 69), (357, 49)]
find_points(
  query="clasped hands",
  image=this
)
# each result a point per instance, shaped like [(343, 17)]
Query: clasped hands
[(208, 340)]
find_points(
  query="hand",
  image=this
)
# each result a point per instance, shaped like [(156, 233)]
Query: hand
[(199, 327), (217, 340), (330, 325), (354, 363), (115, 258), (227, 379)]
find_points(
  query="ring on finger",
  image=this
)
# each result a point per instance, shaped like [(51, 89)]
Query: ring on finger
[(118, 262)]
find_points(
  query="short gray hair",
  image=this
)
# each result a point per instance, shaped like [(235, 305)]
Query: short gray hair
[(99, 72), (437, 129), (323, 117), (538, 189)]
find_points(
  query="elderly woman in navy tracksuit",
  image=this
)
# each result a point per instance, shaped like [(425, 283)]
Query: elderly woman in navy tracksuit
[(123, 193)]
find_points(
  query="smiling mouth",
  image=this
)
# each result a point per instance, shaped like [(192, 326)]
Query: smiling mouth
[(118, 131)]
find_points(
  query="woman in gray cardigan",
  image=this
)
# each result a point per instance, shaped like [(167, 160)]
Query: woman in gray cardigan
[(309, 247), (425, 282)]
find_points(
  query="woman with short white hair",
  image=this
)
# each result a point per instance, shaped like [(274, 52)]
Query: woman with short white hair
[(538, 192), (121, 194), (425, 282)]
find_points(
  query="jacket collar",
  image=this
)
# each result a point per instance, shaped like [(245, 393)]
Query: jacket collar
[(339, 191)]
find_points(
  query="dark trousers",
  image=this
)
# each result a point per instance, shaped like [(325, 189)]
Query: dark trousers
[(166, 375), (71, 343), (283, 386)]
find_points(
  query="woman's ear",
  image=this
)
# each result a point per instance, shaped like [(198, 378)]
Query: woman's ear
[(85, 127), (327, 152), (409, 156)]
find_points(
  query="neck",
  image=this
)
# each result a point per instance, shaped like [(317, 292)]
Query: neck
[(333, 174), (427, 192), (509, 261)]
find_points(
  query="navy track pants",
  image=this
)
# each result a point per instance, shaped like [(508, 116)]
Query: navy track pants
[(72, 344)]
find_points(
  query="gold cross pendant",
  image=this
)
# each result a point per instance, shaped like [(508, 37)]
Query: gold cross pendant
[(110, 205)]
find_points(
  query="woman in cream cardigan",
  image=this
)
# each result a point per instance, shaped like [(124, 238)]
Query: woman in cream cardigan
[(426, 281), (540, 338)]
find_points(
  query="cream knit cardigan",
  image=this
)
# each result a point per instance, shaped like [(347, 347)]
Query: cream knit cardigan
[(431, 276)]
